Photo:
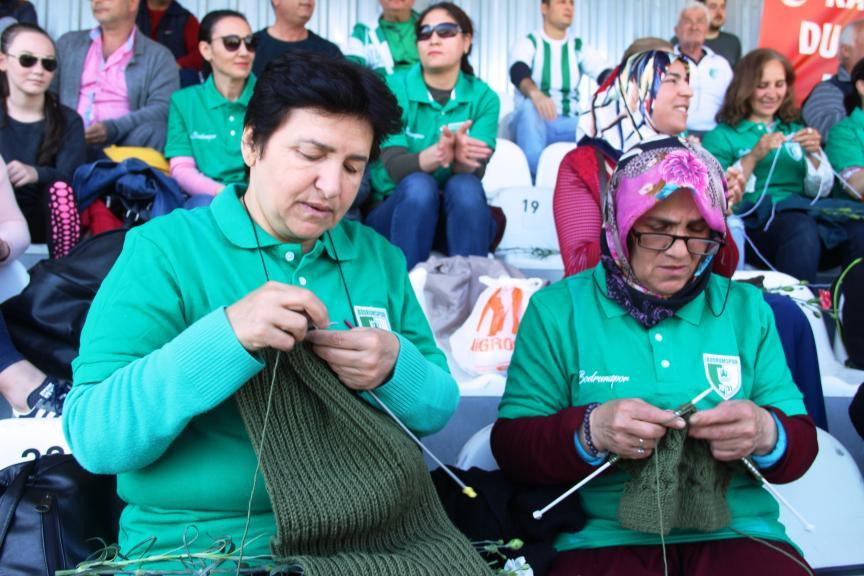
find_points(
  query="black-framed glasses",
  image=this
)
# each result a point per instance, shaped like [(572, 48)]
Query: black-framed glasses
[(231, 42), (29, 60), (444, 30), (660, 242)]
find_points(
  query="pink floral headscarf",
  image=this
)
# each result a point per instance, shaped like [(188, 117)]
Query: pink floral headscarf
[(651, 173)]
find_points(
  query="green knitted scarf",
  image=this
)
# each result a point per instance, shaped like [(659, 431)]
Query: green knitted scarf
[(692, 488), (350, 491)]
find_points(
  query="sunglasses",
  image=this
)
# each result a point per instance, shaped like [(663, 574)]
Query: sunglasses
[(231, 42), (444, 30), (28, 61)]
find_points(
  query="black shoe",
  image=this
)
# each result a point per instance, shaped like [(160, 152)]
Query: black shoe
[(46, 401)]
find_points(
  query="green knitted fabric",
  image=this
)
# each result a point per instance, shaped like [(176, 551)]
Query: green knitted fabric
[(350, 491), (692, 488)]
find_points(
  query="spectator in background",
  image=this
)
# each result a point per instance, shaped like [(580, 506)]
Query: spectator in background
[(389, 44), (845, 146), (21, 10), (449, 118), (546, 68), (289, 32), (205, 122), (723, 43), (41, 140), (823, 107), (29, 392), (173, 26), (120, 82), (710, 73), (760, 132)]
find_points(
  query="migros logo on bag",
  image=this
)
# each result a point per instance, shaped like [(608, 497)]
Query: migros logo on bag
[(499, 321)]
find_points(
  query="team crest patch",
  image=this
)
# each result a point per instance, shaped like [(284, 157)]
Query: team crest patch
[(723, 373), (371, 317)]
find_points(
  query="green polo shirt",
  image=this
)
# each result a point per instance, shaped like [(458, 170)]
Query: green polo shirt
[(205, 125), (845, 148), (576, 346), (729, 144), (159, 364), (423, 118)]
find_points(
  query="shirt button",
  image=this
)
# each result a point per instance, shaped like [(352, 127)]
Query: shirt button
[(664, 363), (232, 132), (302, 280), (230, 118), (289, 256), (658, 337)]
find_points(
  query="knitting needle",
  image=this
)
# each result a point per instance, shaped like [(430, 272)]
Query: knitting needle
[(467, 490), (773, 491), (683, 410)]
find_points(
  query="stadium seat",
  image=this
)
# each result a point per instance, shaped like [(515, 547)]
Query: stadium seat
[(477, 451), (28, 438), (13, 279), (550, 160), (507, 167), (505, 115)]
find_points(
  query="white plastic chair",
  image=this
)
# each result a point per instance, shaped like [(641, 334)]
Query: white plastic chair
[(13, 279), (550, 161), (530, 242), (28, 438), (507, 167), (477, 451)]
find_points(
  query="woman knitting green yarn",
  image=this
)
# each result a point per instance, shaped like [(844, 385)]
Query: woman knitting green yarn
[(603, 358)]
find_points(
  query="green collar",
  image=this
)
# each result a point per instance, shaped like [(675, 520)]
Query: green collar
[(213, 99), (232, 219), (857, 117), (746, 126), (714, 295), (412, 21), (419, 92)]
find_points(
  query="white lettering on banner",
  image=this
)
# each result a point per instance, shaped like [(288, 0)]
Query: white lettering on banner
[(594, 378), (822, 37), (857, 4)]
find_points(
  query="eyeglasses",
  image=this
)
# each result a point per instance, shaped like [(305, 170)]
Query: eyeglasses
[(444, 30), (660, 242), (28, 61), (231, 42)]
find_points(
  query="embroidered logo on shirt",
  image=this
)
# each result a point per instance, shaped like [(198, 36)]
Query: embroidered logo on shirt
[(371, 317), (723, 373), (585, 378), (199, 136)]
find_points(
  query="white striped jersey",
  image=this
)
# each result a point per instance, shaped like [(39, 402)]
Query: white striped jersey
[(557, 67)]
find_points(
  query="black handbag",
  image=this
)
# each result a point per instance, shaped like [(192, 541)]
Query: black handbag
[(53, 515)]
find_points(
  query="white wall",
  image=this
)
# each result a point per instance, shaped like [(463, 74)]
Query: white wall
[(609, 25)]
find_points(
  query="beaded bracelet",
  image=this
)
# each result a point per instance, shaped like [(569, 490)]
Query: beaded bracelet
[(586, 429)]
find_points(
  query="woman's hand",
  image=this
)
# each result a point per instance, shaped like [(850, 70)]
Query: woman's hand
[(735, 184), (767, 142), (21, 174), (467, 151), (440, 154), (735, 429), (809, 139), (630, 427), (276, 315), (362, 358)]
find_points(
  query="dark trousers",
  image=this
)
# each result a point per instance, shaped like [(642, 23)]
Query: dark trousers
[(8, 353), (792, 245), (739, 556)]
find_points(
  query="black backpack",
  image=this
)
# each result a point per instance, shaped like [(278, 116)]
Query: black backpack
[(850, 285), (45, 320)]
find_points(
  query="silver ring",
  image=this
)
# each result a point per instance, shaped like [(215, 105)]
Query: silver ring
[(641, 443), (640, 451)]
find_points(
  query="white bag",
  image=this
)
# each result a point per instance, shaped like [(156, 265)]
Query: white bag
[(484, 343)]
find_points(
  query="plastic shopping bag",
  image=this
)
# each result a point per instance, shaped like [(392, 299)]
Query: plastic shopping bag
[(484, 343)]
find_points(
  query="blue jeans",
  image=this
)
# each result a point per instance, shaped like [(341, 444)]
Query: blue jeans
[(409, 217), (532, 133)]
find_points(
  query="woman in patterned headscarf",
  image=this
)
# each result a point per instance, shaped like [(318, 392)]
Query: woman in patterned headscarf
[(603, 357), (647, 97)]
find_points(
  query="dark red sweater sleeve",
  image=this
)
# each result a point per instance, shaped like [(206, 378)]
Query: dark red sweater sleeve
[(576, 208), (801, 448), (193, 58), (541, 449)]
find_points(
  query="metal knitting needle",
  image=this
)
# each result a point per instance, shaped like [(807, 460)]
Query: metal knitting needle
[(683, 410), (467, 490)]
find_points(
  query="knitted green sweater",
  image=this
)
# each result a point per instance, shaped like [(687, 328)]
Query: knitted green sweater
[(350, 491)]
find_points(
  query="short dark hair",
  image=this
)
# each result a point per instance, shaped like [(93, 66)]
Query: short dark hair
[(335, 86), (853, 99), (748, 73)]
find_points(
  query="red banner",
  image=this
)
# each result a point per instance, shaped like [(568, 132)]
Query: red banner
[(808, 33)]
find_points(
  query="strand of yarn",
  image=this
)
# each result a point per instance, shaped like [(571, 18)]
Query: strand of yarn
[(258, 462), (660, 513), (777, 549)]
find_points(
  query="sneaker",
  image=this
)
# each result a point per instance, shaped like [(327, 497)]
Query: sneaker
[(46, 401)]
